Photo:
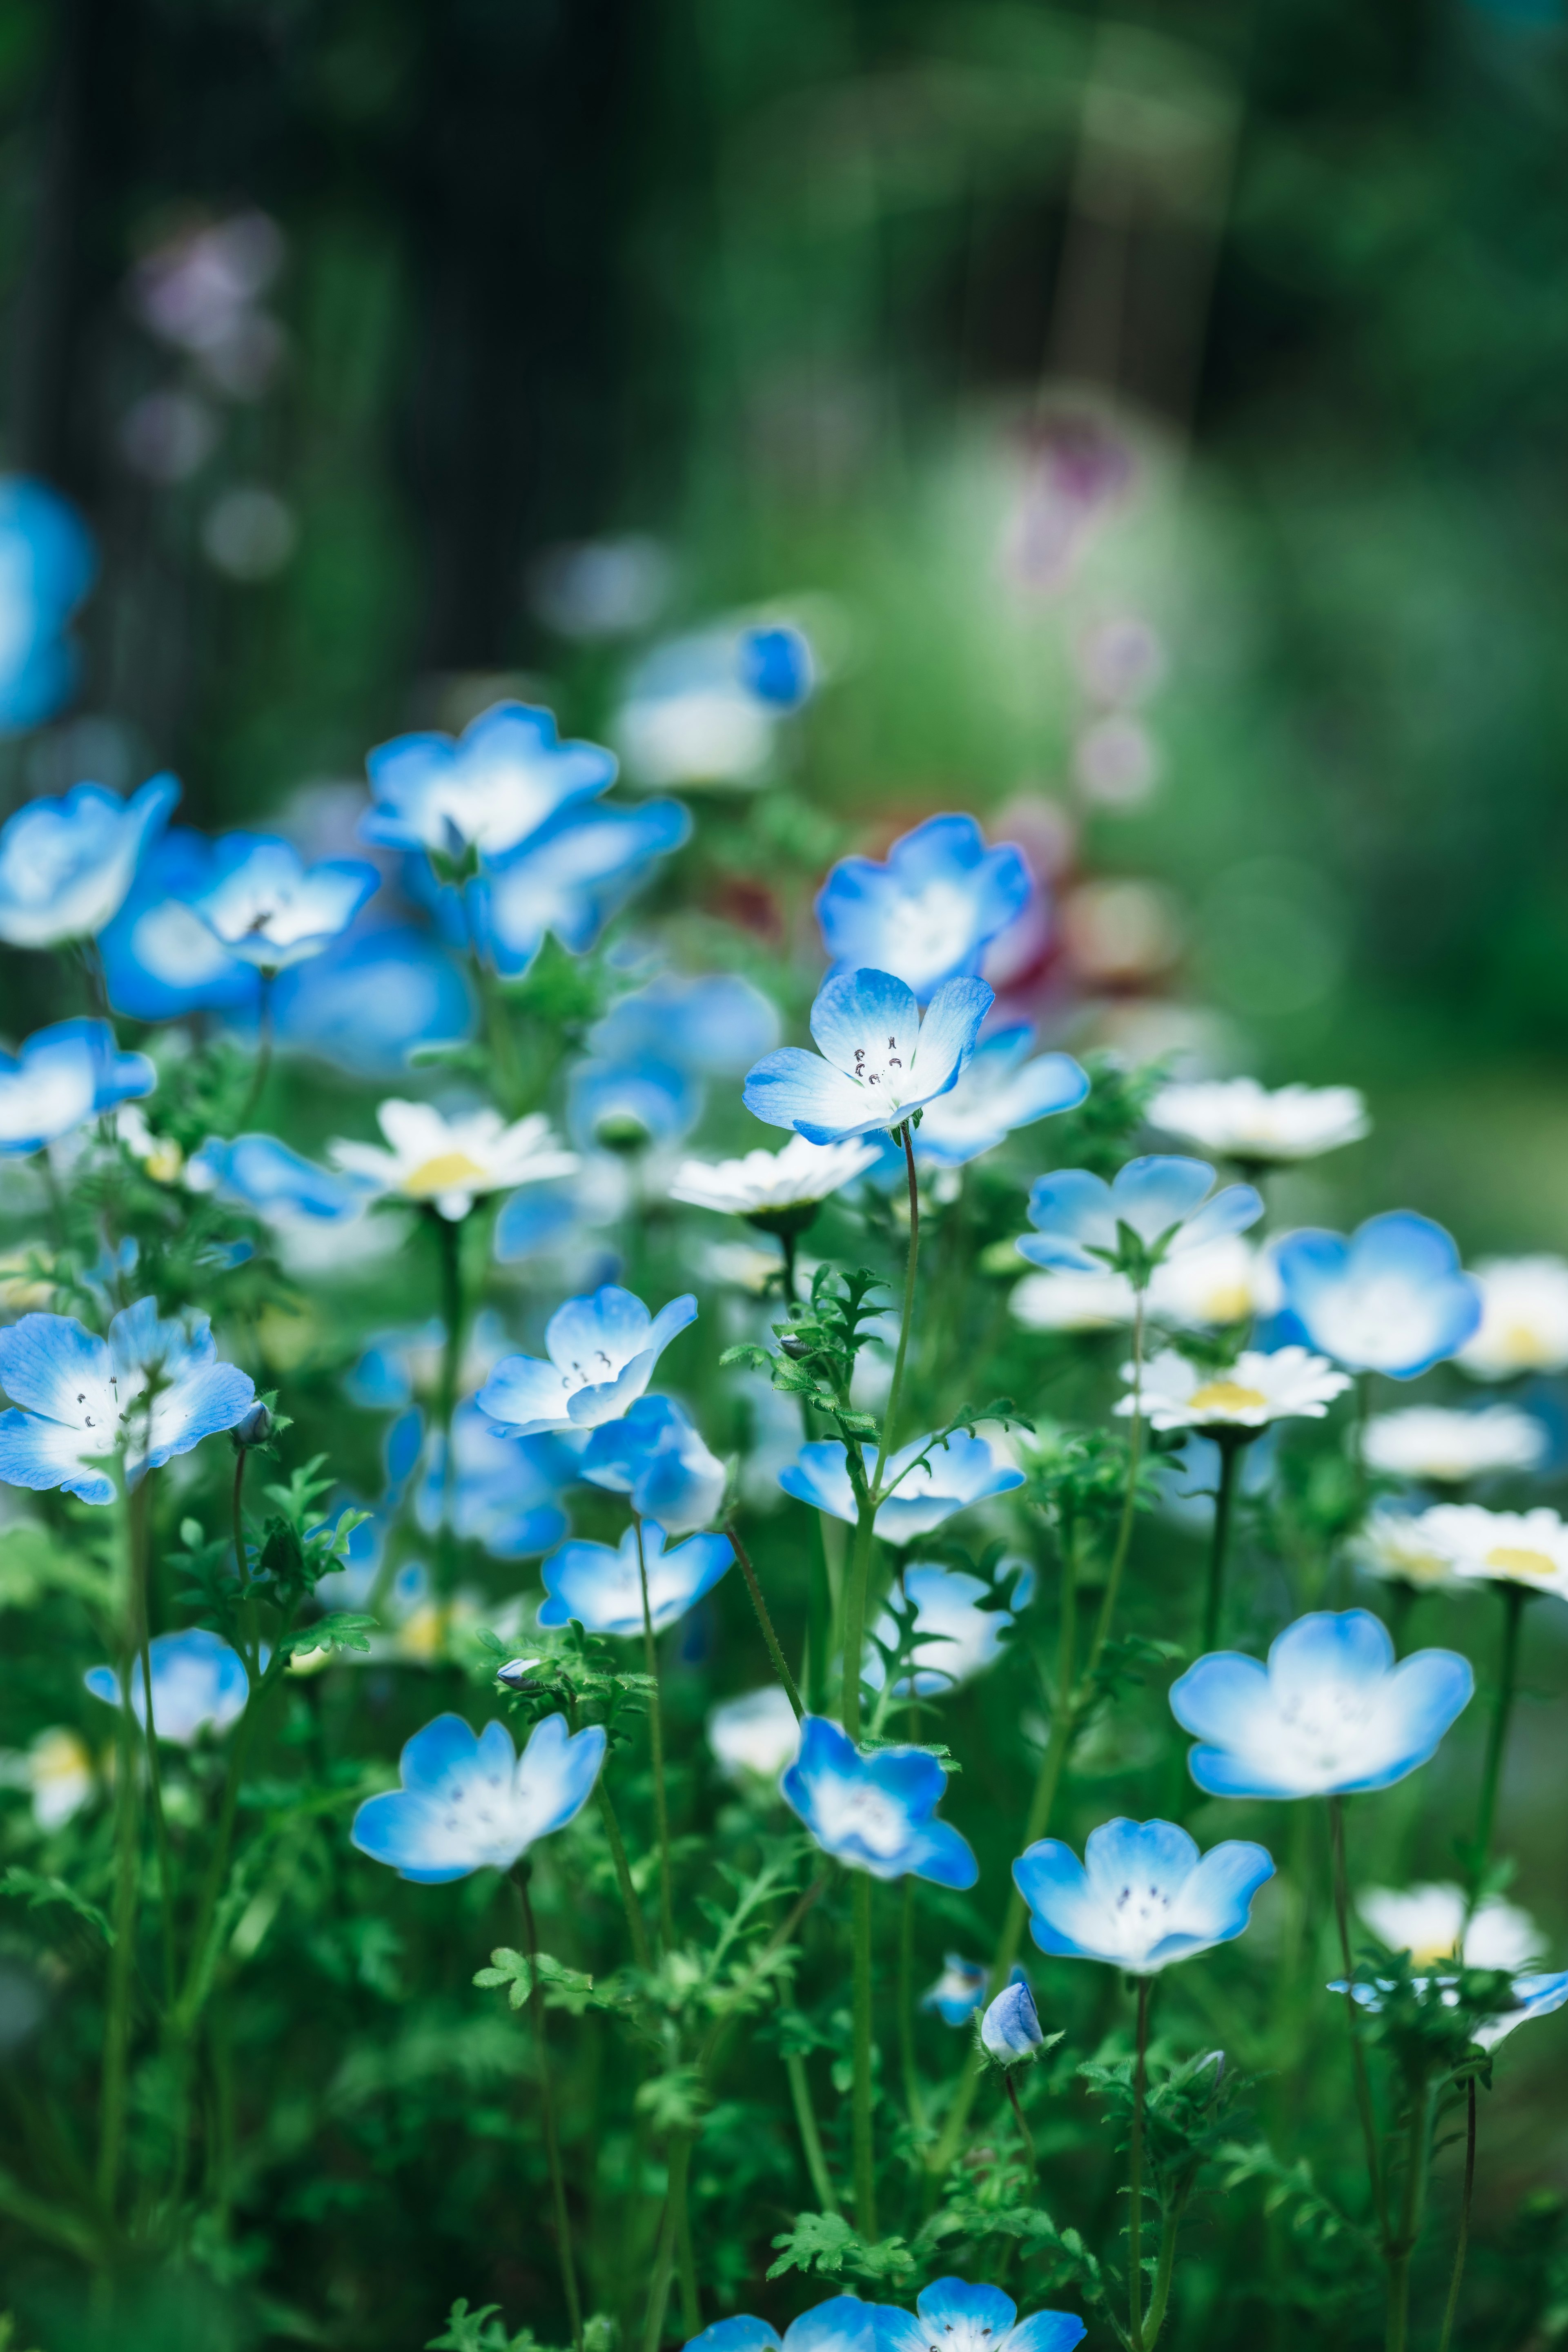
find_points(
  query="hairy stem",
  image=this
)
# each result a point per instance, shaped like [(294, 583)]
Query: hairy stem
[(1463, 2239), (636, 1925), (1513, 1597), (905, 1321), (810, 2137), (655, 1743), (818, 1620), (1025, 2133), (1358, 2055), (781, 1664), (1135, 2177), (1163, 2274), (1219, 1547), (865, 2169), (547, 2110), (855, 1594)]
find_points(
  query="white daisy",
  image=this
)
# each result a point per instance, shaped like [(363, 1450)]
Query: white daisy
[(1428, 1922), (1226, 1281), (767, 1187), (1525, 1318), (449, 1162), (1067, 1300), (1427, 1441), (1527, 1547), (1242, 1120), (1400, 1547), (1255, 1391)]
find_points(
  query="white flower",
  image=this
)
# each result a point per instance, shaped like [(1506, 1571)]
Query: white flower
[(765, 1184), (449, 1162), (1258, 1389), (1427, 1441), (1242, 1120), (1071, 1301), (1225, 1281), (60, 1775), (1528, 1548), (1428, 1922), (1399, 1547), (754, 1735), (1525, 1318), (958, 1638)]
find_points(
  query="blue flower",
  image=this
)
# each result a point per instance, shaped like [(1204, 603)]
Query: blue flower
[(962, 1470), (842, 2323), (199, 1684), (469, 1803), (265, 906), (568, 879), (654, 1455), (47, 566), (960, 1989), (372, 998), (1141, 1896), (963, 2318), (630, 1105), (1389, 1299), (931, 912), (260, 1173), (160, 960), (1010, 2029), (602, 1351), (1154, 1209), (774, 664), (1329, 1715), (67, 865), (508, 1489), (1000, 1090), (63, 1075), (878, 1061), (601, 1585), (82, 1398), (704, 709), (715, 1027), (956, 1637), (875, 1812), (488, 795)]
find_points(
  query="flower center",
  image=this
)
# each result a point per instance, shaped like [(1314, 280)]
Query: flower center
[(1224, 1398), (868, 1816), (449, 1171), (1523, 1344), (880, 1066), (1526, 1567)]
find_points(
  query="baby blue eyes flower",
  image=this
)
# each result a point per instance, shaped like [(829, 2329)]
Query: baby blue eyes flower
[(1000, 1090), (160, 960), (1141, 1897), (1010, 2029), (876, 1812), (631, 1105), (954, 2316), (1154, 1209), (507, 1495), (568, 880), (654, 1455), (602, 1351), (371, 998), (842, 2323), (1329, 1715), (959, 1991), (47, 566), (260, 1173), (199, 1685), (264, 905), (962, 1470), (67, 865), (878, 1062), (651, 1052), (929, 914), (1392, 1298), (957, 1636), (705, 708), (601, 1587), (64, 1075), (469, 1803), (84, 1400), (485, 795)]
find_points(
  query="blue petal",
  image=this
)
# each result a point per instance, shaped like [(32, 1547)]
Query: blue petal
[(948, 1035), (1047, 2331), (797, 1089), (950, 2302), (1154, 1193), (1159, 1854), (446, 1746), (558, 1768), (738, 2335), (864, 1009), (819, 1475)]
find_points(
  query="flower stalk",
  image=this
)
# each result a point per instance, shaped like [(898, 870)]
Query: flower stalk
[(521, 1874), (656, 1745)]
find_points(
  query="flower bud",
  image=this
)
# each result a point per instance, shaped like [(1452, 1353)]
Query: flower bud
[(1010, 2029), (520, 1673), (255, 1429)]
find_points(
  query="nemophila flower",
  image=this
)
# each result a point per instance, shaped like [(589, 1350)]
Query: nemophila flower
[(960, 1470), (705, 708), (756, 1735), (406, 1362), (266, 906), (715, 1025), (47, 566), (1329, 1715), (842, 2323), (448, 1164), (1533, 1996), (1435, 1923), (274, 1182), (1399, 1548), (1154, 1209), (507, 1496), (370, 998), (1389, 1299), (654, 1455), (957, 2317), (1071, 1301), (1000, 1089), (1141, 1897), (959, 1991), (1258, 1389), (1010, 2030), (779, 1191), (568, 879), (485, 795), (1522, 1548), (1236, 1119), (600, 1585), (957, 1638), (66, 865), (1449, 1449), (930, 911), (876, 1811), (631, 1105), (161, 961), (199, 1685), (469, 1802), (62, 1076), (1525, 1318), (151, 1390), (599, 1356), (879, 1060)]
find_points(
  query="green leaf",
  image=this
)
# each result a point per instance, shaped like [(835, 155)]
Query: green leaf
[(756, 1359), (826, 2242), (342, 1628), (564, 1988), (27, 1886)]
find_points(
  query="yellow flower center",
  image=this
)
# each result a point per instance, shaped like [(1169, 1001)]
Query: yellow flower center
[(1228, 1303), (449, 1171), (1425, 1955), (1523, 1344), (1225, 1398), (1525, 1566)]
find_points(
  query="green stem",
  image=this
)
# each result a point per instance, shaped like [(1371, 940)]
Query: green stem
[(506, 1072), (1358, 2056), (1130, 1501), (1163, 2274), (806, 2124), (196, 1966), (818, 1620), (1412, 2201), (635, 1923), (1514, 1597), (663, 2252), (263, 1063), (1027, 2136), (547, 2109), (123, 1952), (855, 1595), (913, 2100), (906, 1321), (1135, 2177), (655, 1742), (865, 2169), (781, 1667), (1463, 2238), (449, 1242), (1214, 1598), (138, 1509)]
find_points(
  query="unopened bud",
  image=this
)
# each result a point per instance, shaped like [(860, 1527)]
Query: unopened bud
[(520, 1673), (1010, 2029), (254, 1429), (794, 1347)]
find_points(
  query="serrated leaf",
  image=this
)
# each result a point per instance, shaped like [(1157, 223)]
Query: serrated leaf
[(342, 1629), (37, 1892)]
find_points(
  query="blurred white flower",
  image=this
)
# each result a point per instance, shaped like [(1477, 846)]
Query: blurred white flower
[(1525, 1318), (1255, 1389), (1448, 1448), (1239, 1119), (1224, 1281), (765, 1183), (756, 1735), (448, 1164), (1400, 1547), (1070, 1301), (1428, 1922), (58, 1774), (1525, 1548)]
